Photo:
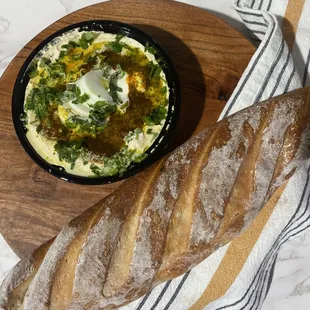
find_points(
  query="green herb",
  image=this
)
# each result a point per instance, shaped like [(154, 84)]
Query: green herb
[(101, 60), (164, 90), (150, 49), (117, 163), (69, 94), (154, 73), (39, 128), (77, 56), (33, 71), (42, 81), (100, 111), (96, 170), (73, 93), (81, 126), (70, 45), (91, 59), (88, 36), (69, 151), (124, 106), (139, 158), (81, 99), (54, 72), (58, 70), (113, 88), (44, 61), (39, 99), (116, 46), (106, 71), (157, 115), (87, 39), (62, 54), (67, 48), (113, 93)]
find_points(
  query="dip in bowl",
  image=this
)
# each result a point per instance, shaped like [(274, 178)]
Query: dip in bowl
[(96, 102)]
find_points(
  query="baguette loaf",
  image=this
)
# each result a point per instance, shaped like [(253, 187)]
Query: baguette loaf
[(165, 220)]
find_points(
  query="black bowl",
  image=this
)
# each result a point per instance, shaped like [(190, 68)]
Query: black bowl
[(158, 147)]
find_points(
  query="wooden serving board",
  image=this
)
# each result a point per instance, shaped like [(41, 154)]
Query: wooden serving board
[(210, 57)]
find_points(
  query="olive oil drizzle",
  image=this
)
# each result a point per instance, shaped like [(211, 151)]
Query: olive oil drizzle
[(111, 140), (141, 103)]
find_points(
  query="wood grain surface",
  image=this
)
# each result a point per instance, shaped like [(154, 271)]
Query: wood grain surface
[(209, 56)]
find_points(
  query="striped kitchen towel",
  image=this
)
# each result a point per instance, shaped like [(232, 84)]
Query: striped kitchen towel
[(238, 275)]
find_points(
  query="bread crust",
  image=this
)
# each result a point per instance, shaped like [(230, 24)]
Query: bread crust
[(165, 220)]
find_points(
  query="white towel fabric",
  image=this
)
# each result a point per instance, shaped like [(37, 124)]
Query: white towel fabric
[(272, 71)]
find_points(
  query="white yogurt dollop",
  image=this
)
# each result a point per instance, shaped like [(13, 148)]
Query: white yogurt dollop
[(91, 85)]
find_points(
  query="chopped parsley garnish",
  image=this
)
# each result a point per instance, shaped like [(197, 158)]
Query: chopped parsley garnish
[(76, 56), (113, 88), (116, 46), (157, 115), (81, 99), (96, 170), (109, 81), (39, 99), (70, 45), (57, 70), (44, 62), (33, 69), (149, 48), (117, 163), (87, 39), (69, 151), (155, 71), (81, 127), (100, 111), (106, 72), (73, 93)]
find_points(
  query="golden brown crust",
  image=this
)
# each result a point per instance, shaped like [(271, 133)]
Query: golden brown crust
[(167, 219), (14, 288)]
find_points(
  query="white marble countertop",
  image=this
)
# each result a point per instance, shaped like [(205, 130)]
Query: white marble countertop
[(290, 288)]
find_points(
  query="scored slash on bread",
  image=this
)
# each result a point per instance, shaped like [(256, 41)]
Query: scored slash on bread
[(168, 218)]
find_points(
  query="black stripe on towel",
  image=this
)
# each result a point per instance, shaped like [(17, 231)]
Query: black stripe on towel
[(261, 4), (304, 79), (143, 300), (270, 72), (254, 23), (161, 295), (250, 13), (280, 75), (250, 71), (258, 31), (290, 80), (177, 290), (269, 5)]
